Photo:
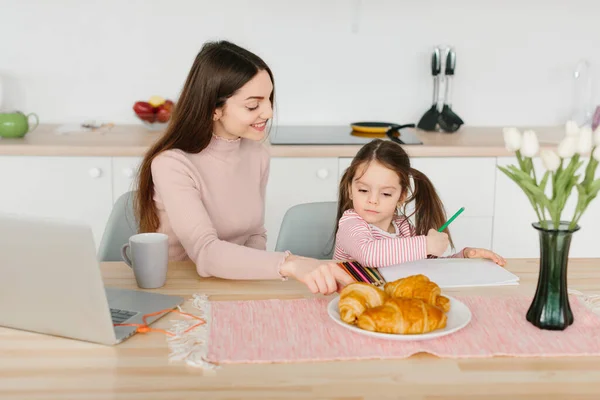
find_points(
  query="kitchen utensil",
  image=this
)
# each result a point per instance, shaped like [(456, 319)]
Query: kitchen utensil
[(394, 133), (330, 135), (380, 130), (375, 135), (372, 127), (448, 120), (429, 120), (16, 124)]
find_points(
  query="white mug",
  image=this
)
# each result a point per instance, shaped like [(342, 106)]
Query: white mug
[(149, 258)]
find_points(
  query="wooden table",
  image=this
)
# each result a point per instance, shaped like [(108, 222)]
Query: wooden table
[(34, 366)]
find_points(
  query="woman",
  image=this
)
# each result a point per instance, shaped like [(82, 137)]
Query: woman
[(203, 183)]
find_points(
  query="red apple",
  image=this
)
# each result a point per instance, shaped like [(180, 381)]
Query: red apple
[(163, 115), (144, 111), (169, 105)]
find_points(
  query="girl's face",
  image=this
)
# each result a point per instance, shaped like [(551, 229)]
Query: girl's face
[(245, 114), (376, 192)]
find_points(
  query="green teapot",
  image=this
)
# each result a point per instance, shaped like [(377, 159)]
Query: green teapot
[(16, 124)]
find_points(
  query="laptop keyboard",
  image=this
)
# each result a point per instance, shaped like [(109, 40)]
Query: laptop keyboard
[(120, 316)]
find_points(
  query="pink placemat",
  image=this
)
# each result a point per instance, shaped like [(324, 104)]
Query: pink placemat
[(281, 331)]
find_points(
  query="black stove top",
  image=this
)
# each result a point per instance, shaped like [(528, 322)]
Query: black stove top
[(329, 135)]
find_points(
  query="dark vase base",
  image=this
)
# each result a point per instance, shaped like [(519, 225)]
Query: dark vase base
[(550, 308)]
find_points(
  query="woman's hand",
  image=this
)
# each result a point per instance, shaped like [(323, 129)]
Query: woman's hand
[(472, 252), (320, 276)]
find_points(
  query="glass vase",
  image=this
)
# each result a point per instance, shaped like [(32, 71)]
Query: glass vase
[(550, 308)]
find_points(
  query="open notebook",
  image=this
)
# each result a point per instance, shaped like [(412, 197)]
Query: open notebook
[(453, 272)]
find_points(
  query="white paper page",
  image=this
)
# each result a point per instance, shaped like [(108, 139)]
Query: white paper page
[(453, 272)]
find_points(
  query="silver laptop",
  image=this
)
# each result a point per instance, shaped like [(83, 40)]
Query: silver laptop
[(50, 282)]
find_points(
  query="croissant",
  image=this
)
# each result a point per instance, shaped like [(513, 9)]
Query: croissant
[(356, 298), (402, 316), (419, 287)]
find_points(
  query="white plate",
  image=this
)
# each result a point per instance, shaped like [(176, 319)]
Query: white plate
[(459, 316)]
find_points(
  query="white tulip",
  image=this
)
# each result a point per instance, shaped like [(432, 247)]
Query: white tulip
[(512, 139), (596, 154), (530, 145), (567, 147), (571, 128), (597, 136), (550, 159), (584, 143)]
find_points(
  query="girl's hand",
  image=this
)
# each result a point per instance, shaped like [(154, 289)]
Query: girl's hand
[(320, 276), (472, 252), (436, 242)]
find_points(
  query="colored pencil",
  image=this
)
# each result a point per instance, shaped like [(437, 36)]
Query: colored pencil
[(362, 274), (379, 276), (362, 271), (456, 214), (350, 271)]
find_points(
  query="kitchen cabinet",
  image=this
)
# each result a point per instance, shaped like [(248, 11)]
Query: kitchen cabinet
[(513, 215), (296, 180), (74, 188), (125, 171), (497, 214), (462, 182)]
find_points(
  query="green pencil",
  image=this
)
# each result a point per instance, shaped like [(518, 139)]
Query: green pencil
[(451, 219)]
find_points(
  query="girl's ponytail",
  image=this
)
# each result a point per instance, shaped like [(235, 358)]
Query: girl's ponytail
[(429, 209)]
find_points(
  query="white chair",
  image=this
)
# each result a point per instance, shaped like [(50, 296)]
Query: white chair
[(308, 230), (120, 226)]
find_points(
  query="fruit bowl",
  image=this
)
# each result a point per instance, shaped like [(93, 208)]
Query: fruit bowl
[(155, 113)]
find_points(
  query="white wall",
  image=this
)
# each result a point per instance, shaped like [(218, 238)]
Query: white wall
[(334, 61)]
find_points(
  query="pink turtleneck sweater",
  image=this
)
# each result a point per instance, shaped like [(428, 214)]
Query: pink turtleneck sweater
[(211, 205)]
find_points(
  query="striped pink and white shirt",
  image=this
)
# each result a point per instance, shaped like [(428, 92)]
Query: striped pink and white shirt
[(360, 241)]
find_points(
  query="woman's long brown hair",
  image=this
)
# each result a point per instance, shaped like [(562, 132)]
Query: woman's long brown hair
[(219, 70), (429, 211)]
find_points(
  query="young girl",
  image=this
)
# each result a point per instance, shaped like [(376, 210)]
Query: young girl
[(203, 182), (373, 226)]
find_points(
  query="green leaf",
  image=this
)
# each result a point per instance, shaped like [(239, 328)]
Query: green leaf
[(521, 174), (520, 160), (544, 181), (593, 189), (565, 193), (529, 166), (573, 165), (581, 199), (565, 182), (555, 177), (590, 172), (512, 176), (537, 193), (505, 170)]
